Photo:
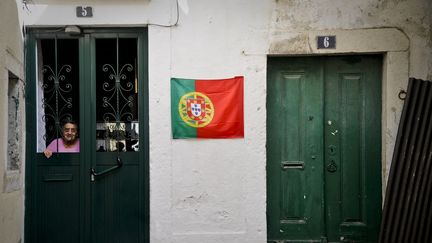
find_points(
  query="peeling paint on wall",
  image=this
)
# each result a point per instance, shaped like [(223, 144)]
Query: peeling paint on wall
[(14, 124), (192, 200), (11, 122), (296, 44)]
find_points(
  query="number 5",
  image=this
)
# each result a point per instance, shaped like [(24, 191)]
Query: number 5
[(83, 11)]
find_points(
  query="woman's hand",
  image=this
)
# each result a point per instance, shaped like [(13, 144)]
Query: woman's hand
[(48, 153)]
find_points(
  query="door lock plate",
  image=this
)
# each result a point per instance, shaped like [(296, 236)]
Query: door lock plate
[(332, 167)]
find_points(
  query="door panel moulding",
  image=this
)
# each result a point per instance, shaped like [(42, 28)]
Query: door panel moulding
[(393, 43)]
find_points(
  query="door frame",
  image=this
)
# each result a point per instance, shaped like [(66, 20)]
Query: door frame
[(391, 42), (85, 65)]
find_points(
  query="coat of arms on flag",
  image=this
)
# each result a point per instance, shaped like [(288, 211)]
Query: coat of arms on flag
[(196, 109), (207, 108)]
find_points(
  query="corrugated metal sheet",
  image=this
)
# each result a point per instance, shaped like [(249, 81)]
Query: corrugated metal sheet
[(407, 214)]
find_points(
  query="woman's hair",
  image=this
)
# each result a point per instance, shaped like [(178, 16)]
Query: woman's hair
[(69, 121)]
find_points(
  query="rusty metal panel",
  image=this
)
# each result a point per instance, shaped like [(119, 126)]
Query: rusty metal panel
[(407, 210)]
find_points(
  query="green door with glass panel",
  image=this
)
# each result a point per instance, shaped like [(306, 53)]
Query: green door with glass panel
[(98, 80), (324, 149)]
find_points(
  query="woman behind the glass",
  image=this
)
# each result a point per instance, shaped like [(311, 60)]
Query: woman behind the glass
[(68, 143)]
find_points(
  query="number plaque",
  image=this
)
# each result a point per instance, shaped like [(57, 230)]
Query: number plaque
[(326, 42), (84, 11)]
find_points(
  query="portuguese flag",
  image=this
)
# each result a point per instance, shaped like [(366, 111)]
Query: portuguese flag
[(207, 108)]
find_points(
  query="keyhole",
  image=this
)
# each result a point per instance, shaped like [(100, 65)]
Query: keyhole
[(332, 149)]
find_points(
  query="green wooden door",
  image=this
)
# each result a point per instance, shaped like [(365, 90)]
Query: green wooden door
[(99, 80), (323, 149)]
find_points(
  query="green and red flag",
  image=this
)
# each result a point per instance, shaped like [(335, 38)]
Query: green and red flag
[(207, 108)]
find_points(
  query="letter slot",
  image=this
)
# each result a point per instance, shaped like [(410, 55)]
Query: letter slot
[(285, 165)]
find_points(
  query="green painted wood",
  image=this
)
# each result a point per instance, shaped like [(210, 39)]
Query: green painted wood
[(86, 128), (30, 179), (118, 215), (294, 115), (353, 104), (51, 185), (54, 223), (337, 196), (144, 157), (62, 204)]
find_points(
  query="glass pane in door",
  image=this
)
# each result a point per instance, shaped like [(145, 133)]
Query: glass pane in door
[(116, 95), (57, 93)]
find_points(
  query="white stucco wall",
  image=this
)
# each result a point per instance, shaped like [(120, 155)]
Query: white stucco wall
[(209, 190), (215, 190), (11, 180)]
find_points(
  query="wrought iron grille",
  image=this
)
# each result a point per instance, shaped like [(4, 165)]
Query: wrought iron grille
[(58, 101), (117, 116)]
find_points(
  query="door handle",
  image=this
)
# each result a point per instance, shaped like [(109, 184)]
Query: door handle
[(332, 167), (94, 174)]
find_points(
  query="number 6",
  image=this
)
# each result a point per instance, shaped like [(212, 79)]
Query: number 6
[(326, 41)]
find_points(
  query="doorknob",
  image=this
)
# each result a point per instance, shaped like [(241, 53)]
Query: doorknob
[(332, 167)]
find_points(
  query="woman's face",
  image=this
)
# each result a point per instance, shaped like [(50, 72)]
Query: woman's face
[(69, 133)]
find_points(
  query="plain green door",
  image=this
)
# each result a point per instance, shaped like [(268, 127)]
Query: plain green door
[(323, 149), (99, 80), (294, 147)]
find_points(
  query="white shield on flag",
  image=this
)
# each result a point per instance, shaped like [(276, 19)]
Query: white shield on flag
[(196, 109)]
